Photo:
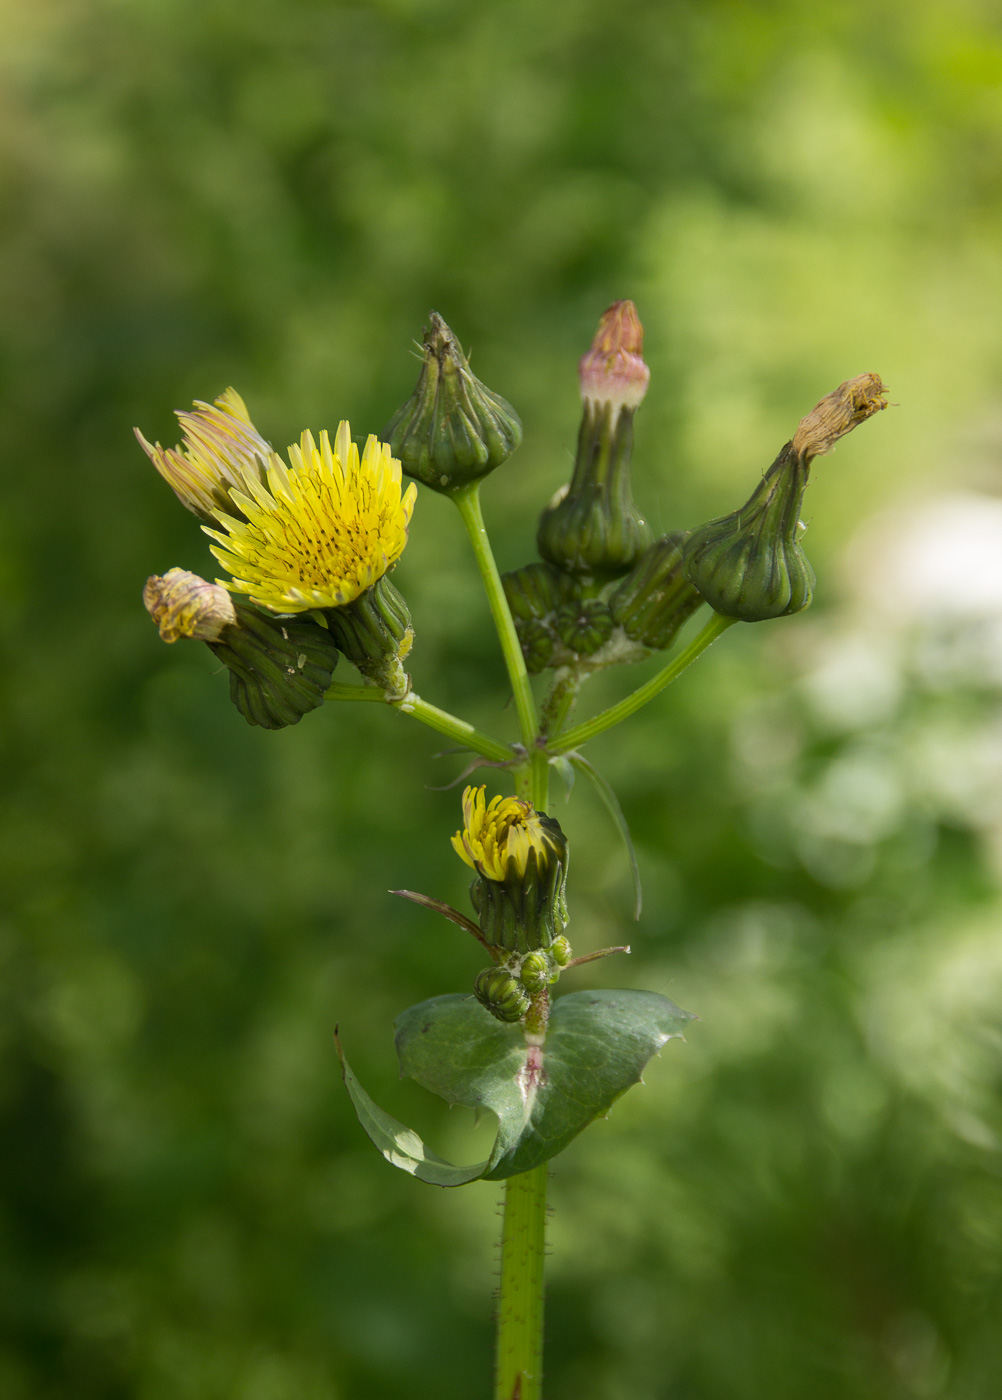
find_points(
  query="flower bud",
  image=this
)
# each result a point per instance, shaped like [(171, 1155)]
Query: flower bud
[(453, 429), (560, 950), (501, 994), (538, 645), (537, 971), (750, 565), (520, 856), (184, 605), (534, 594), (280, 668), (613, 370), (374, 631), (535, 591), (584, 626), (592, 526), (655, 598)]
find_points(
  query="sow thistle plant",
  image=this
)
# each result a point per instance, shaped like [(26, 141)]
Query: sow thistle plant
[(309, 544)]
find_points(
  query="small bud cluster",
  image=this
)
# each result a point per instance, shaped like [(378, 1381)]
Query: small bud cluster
[(605, 592)]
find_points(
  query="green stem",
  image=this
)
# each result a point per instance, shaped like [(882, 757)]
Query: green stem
[(449, 725), (468, 503), (338, 691), (519, 1373), (560, 701), (457, 729), (520, 1305), (581, 733), (520, 1311)]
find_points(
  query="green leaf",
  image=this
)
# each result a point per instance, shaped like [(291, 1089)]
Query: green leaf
[(399, 1145), (596, 1047)]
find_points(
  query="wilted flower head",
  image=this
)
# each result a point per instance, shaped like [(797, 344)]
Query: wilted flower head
[(222, 452), (750, 565), (613, 371), (318, 533), (184, 605), (499, 835)]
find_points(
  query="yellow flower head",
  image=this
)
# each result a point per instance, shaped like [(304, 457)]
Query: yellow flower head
[(222, 451), (319, 532), (502, 831)]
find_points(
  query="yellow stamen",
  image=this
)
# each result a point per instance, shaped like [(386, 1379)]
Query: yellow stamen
[(319, 532), (497, 833)]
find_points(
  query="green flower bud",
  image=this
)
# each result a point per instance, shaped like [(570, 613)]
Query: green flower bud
[(374, 631), (520, 856), (750, 565), (560, 950), (655, 599), (501, 994), (584, 626), (453, 429), (538, 644), (534, 594), (536, 972), (280, 667), (536, 591), (592, 527)]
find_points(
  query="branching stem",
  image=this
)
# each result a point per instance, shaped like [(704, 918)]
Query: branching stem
[(581, 733), (450, 725)]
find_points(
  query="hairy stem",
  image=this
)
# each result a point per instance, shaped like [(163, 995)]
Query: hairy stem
[(520, 1311), (581, 733)]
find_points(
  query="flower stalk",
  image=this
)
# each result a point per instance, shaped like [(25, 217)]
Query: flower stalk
[(468, 503)]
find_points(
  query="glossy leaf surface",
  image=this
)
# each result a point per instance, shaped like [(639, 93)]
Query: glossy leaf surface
[(596, 1047)]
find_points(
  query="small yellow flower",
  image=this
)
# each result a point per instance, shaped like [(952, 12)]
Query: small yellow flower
[(319, 532), (502, 831), (222, 451), (184, 605)]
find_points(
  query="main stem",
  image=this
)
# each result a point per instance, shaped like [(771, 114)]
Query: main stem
[(519, 1372), (520, 1309)]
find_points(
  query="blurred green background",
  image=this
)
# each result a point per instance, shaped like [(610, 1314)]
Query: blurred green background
[(806, 1200)]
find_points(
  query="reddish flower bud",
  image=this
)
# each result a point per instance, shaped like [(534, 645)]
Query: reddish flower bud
[(613, 371)]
